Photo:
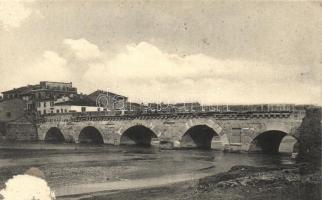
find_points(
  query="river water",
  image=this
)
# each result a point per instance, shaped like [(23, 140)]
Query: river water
[(73, 168)]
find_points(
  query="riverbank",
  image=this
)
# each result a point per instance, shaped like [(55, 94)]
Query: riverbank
[(240, 182)]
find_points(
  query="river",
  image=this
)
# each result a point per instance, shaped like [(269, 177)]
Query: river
[(73, 169)]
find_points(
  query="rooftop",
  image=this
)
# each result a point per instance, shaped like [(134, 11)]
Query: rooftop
[(38, 87), (78, 100), (98, 92)]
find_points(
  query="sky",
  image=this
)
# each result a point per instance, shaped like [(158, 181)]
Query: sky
[(214, 52)]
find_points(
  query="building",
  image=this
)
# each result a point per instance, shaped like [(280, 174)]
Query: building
[(159, 108), (42, 92), (16, 92), (109, 100), (134, 108), (187, 107), (65, 104), (58, 97)]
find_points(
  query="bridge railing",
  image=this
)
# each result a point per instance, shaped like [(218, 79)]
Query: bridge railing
[(107, 116)]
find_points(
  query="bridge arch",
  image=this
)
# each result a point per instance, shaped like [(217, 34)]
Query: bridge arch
[(90, 135), (54, 135), (137, 135), (198, 136), (269, 141)]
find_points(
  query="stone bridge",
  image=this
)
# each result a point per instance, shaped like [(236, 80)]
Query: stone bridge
[(244, 131)]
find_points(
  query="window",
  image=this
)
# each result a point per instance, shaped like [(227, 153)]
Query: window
[(51, 104), (51, 111), (44, 103), (45, 112), (61, 110), (57, 111), (65, 110)]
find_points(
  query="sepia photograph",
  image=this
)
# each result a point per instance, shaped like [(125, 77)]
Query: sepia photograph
[(160, 100)]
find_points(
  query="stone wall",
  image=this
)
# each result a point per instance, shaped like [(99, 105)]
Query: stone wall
[(18, 130), (11, 110), (15, 123)]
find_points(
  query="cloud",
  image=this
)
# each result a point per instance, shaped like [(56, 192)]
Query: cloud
[(83, 49), (50, 66), (13, 13), (144, 72)]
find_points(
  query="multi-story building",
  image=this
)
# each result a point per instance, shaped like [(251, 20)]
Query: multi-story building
[(16, 92), (45, 91)]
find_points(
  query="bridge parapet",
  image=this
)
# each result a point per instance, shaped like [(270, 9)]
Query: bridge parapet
[(100, 116)]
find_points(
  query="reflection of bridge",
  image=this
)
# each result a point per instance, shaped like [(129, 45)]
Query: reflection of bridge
[(247, 131)]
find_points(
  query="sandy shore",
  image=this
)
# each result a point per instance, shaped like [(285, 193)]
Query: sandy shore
[(85, 189)]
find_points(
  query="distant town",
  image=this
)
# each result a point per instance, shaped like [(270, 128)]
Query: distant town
[(47, 98)]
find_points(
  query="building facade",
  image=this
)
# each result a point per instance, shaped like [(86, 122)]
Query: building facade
[(41, 94), (65, 104)]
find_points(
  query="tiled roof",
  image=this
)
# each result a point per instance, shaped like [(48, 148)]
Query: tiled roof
[(21, 90), (78, 100)]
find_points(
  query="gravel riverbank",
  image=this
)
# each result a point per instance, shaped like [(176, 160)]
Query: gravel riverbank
[(240, 182)]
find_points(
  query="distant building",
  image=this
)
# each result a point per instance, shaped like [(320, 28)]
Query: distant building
[(159, 108), (187, 107), (16, 92), (130, 106), (109, 100), (58, 97), (42, 92), (76, 103)]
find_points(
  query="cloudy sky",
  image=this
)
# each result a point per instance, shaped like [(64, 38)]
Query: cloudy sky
[(170, 51)]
